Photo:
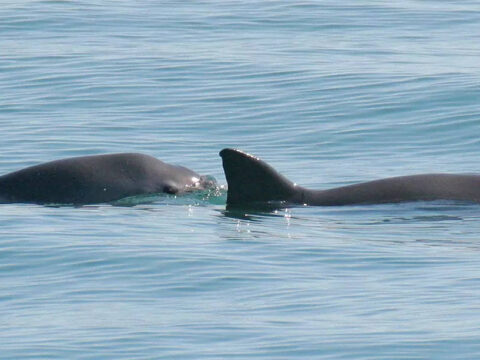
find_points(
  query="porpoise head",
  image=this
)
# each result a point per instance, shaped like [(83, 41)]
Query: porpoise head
[(184, 180)]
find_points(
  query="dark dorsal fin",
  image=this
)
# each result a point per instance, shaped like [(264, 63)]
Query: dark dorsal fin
[(252, 180)]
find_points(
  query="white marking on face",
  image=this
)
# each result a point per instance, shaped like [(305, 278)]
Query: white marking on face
[(195, 181)]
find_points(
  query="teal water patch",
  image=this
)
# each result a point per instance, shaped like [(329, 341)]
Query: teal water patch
[(214, 196)]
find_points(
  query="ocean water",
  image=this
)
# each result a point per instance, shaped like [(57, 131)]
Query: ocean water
[(328, 92)]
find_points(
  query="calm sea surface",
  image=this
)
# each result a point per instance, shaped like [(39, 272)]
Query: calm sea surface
[(328, 92)]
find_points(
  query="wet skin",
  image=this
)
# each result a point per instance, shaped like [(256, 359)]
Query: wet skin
[(98, 179)]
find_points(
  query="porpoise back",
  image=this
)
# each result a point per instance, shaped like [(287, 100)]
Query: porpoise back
[(251, 180), (97, 179)]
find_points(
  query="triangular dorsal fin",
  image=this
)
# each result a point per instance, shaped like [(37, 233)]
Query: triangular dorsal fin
[(252, 180)]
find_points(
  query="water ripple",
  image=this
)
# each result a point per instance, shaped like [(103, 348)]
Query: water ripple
[(329, 93)]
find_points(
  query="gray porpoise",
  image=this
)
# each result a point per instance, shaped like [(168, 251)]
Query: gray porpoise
[(252, 181), (98, 179)]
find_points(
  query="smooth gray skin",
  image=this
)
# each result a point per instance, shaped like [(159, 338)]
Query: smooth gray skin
[(97, 179), (251, 180)]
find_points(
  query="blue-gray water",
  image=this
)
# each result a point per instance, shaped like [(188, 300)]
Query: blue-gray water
[(328, 92)]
